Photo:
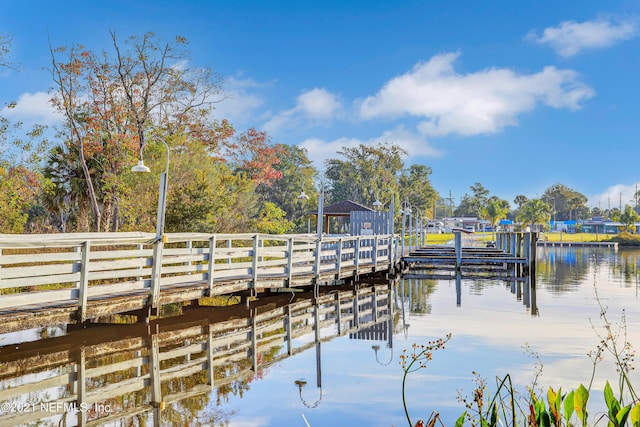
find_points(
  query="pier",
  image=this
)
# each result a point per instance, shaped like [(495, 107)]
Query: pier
[(511, 252), (79, 278), (606, 245)]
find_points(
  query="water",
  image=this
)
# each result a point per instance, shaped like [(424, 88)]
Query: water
[(353, 376)]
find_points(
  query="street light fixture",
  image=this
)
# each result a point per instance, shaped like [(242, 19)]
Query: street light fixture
[(162, 196), (302, 382), (376, 348)]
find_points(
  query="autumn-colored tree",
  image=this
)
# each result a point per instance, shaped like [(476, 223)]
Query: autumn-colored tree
[(297, 176), (252, 153), (112, 103)]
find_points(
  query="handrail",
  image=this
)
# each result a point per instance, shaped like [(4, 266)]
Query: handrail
[(41, 268)]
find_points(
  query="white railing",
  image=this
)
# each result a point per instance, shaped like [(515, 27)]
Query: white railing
[(77, 267)]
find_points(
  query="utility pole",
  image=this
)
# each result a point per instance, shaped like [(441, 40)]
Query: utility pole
[(451, 203)]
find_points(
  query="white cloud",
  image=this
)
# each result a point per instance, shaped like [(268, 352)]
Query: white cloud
[(318, 104), (313, 106), (239, 104), (319, 150), (570, 37), (615, 195), (476, 103), (33, 108)]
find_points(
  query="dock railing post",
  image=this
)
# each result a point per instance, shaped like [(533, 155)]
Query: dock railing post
[(156, 273), (533, 255), (254, 264), (357, 257), (339, 258), (289, 260), (458, 245), (374, 255), (526, 246), (83, 290), (212, 263)]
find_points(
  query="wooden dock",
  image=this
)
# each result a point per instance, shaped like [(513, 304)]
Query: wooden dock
[(75, 278), (606, 245), (512, 252)]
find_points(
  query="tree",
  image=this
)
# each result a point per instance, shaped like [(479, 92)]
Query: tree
[(272, 220), (297, 175), (5, 48), (367, 173), (566, 202), (494, 211), (112, 104), (628, 218), (472, 205), (415, 186), (18, 189), (535, 211), (253, 154)]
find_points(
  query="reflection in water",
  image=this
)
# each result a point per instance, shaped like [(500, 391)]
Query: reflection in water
[(164, 373), (302, 382)]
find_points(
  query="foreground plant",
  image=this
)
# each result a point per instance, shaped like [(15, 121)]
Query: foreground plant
[(508, 408), (420, 355)]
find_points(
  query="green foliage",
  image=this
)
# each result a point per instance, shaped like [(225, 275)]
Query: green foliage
[(628, 218), (272, 220), (366, 173), (18, 190), (508, 408), (297, 175), (535, 211), (472, 205), (567, 203)]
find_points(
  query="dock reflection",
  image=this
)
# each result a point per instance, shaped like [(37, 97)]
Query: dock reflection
[(164, 373), (418, 284)]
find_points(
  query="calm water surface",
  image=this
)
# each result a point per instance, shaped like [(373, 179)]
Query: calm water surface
[(355, 379)]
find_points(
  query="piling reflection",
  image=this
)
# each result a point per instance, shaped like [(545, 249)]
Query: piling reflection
[(417, 287), (183, 369)]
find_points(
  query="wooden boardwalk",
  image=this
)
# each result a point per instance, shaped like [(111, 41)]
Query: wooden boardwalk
[(74, 278)]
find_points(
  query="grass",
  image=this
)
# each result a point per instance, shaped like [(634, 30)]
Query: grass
[(440, 239)]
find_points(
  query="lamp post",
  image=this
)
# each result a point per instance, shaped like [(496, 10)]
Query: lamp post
[(303, 196), (320, 214), (162, 196), (377, 204), (156, 270), (406, 209)]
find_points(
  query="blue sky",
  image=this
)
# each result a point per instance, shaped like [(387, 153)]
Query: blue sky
[(514, 95)]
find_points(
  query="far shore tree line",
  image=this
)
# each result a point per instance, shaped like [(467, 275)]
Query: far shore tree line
[(127, 101)]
